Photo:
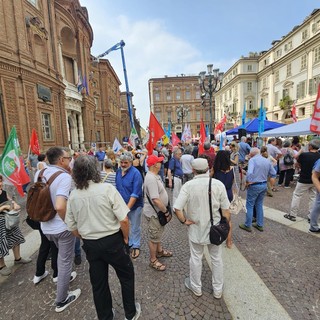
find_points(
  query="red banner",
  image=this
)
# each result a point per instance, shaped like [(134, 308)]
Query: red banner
[(155, 133), (202, 137), (315, 121), (34, 143)]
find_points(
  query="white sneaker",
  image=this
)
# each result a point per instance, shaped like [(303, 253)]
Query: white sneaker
[(72, 297), (138, 312), (217, 295), (73, 276), (36, 279), (188, 285)]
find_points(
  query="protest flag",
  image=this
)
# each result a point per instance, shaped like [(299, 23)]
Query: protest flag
[(12, 164), (34, 143), (155, 133), (202, 137), (174, 139), (315, 120), (116, 146), (294, 112)]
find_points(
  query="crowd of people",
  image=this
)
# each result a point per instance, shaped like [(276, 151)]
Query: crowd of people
[(101, 196)]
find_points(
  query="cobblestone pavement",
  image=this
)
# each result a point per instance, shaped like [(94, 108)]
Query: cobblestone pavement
[(287, 260), (162, 294)]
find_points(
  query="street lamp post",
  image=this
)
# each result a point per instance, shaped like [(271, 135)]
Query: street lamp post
[(182, 113), (214, 79)]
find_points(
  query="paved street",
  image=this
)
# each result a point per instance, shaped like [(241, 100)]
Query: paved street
[(283, 262)]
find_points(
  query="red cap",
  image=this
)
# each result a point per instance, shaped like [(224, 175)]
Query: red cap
[(152, 160)]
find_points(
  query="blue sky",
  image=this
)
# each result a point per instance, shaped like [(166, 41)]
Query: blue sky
[(170, 37)]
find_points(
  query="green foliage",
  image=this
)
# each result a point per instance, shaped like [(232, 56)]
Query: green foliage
[(285, 103)]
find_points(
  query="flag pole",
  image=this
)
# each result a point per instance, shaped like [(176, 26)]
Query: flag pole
[(29, 154)]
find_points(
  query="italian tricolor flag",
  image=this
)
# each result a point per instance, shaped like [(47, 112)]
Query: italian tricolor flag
[(12, 164)]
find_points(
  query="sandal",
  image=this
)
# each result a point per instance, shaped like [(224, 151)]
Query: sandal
[(275, 190), (229, 245), (135, 253), (157, 265), (288, 216), (164, 253)]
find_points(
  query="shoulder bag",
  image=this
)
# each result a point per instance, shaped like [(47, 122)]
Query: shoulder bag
[(218, 233), (236, 204), (12, 216), (164, 217)]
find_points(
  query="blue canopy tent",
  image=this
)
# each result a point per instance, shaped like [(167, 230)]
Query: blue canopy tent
[(235, 130), (252, 126)]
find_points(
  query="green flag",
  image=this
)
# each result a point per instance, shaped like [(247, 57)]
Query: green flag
[(12, 164)]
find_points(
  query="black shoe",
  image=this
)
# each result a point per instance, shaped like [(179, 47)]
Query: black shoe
[(72, 297), (77, 260), (314, 231)]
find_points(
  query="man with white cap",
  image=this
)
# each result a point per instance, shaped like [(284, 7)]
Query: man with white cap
[(157, 200), (194, 201)]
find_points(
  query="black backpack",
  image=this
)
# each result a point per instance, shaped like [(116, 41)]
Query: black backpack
[(288, 159)]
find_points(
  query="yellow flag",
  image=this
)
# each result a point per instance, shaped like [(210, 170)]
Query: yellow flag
[(165, 140)]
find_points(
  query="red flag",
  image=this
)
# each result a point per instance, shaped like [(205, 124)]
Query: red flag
[(34, 143), (202, 137), (155, 133), (12, 164), (220, 125), (294, 112), (315, 121), (174, 139)]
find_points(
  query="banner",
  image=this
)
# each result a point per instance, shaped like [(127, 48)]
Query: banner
[(202, 137), (174, 139), (294, 112), (34, 143), (315, 120), (12, 164), (244, 115), (133, 137), (155, 133), (220, 125), (116, 146)]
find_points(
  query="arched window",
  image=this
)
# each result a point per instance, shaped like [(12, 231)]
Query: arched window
[(40, 50)]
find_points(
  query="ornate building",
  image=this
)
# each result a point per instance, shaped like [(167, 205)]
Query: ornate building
[(177, 100), (47, 78), (287, 73)]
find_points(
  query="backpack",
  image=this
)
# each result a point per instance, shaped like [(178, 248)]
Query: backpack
[(288, 159), (39, 204)]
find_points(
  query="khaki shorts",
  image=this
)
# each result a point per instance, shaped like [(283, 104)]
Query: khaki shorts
[(155, 229)]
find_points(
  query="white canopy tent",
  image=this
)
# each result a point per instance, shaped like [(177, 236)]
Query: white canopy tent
[(299, 128)]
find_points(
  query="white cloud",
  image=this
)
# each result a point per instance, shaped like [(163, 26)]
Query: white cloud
[(150, 51)]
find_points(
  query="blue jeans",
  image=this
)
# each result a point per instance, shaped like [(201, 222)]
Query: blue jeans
[(135, 227), (255, 196), (315, 214)]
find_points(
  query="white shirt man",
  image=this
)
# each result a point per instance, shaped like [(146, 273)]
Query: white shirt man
[(194, 200)]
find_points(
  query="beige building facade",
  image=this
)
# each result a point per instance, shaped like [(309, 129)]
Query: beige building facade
[(289, 72)]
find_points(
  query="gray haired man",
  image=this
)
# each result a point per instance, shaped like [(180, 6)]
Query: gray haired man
[(129, 184)]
